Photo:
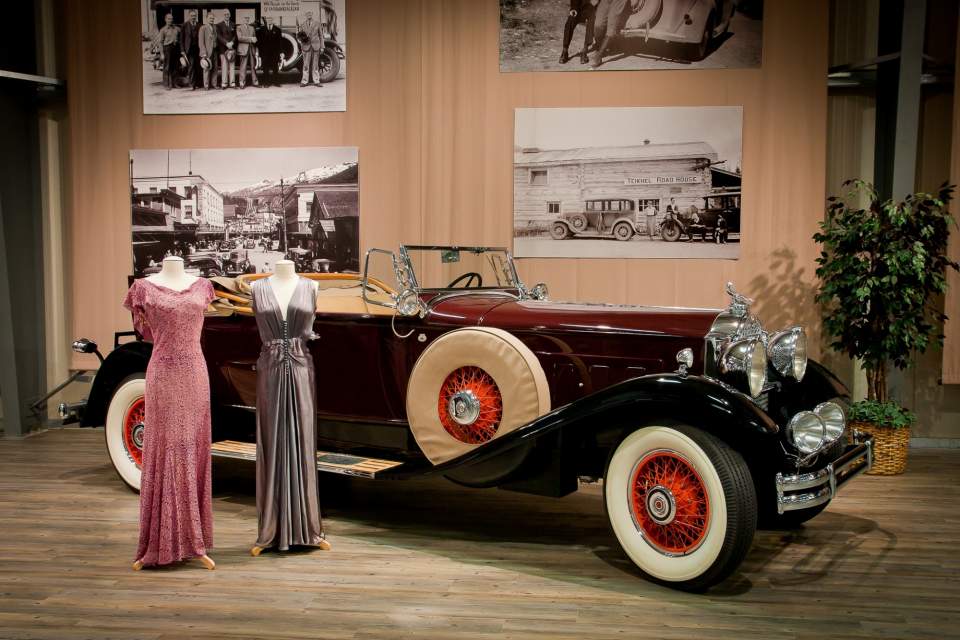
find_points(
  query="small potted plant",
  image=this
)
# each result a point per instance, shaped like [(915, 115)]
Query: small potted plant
[(889, 424), (881, 269)]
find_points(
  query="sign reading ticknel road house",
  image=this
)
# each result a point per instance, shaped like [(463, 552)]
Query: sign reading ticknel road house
[(637, 180), (550, 182)]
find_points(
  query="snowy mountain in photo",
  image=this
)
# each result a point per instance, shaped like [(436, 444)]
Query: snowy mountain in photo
[(271, 186)]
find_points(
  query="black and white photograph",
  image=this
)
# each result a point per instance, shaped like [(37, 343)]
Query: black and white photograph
[(627, 182), (228, 212), (617, 35), (235, 56)]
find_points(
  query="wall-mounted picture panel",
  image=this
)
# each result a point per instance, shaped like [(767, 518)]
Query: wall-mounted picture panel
[(226, 56), (234, 211), (635, 182), (612, 35)]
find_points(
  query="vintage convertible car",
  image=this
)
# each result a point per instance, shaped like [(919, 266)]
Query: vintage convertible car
[(439, 360)]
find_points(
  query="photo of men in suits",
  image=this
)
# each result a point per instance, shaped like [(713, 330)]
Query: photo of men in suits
[(227, 47), (190, 47), (270, 45), (207, 49), (277, 46), (312, 46), (247, 51)]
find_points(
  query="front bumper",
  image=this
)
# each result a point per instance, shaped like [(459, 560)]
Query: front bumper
[(805, 490)]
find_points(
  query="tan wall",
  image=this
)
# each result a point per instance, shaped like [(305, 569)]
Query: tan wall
[(433, 118)]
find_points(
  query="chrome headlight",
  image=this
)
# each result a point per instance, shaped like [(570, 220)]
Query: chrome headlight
[(408, 304), (806, 431), (834, 420), (787, 352), (746, 358)]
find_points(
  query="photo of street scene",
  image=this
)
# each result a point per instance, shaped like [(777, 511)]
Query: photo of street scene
[(612, 35), (632, 182), (236, 56), (228, 212)]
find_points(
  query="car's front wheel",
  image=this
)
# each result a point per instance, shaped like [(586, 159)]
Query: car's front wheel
[(124, 429), (682, 505)]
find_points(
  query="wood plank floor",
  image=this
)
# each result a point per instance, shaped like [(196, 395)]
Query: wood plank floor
[(427, 559)]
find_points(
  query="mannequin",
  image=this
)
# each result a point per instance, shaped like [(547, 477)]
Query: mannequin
[(162, 316), (287, 501), (284, 283), (173, 275)]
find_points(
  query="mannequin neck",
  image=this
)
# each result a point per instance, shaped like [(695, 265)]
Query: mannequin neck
[(284, 270), (172, 268)]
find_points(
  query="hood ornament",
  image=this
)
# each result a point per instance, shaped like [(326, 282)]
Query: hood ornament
[(739, 303)]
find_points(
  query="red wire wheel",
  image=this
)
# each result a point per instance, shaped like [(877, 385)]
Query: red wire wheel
[(133, 431), (470, 405), (670, 503)]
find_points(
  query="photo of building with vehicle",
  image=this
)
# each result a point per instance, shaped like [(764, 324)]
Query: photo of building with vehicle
[(655, 199)]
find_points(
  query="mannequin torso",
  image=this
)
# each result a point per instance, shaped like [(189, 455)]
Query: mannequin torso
[(284, 282), (173, 275)]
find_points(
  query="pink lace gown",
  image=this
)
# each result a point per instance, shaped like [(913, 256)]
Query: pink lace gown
[(176, 518)]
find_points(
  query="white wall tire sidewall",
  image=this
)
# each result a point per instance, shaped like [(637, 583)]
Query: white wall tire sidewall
[(617, 492), (125, 395)]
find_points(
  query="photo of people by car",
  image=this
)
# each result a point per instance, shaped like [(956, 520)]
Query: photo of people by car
[(635, 182), (588, 35), (228, 212), (229, 56)]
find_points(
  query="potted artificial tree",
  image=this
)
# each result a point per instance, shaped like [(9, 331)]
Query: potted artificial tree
[(881, 270)]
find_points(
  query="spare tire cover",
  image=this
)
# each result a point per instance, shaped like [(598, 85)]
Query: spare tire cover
[(471, 386)]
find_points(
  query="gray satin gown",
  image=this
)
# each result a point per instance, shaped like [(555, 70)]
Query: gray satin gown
[(287, 503)]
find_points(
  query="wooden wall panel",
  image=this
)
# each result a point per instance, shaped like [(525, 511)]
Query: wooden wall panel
[(951, 328), (433, 118)]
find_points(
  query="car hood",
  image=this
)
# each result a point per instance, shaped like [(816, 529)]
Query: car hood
[(511, 315)]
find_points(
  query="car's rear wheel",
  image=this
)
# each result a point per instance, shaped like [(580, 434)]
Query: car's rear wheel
[(670, 231), (124, 429), (682, 505)]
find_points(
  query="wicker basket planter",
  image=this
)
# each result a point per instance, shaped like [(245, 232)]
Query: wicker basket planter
[(890, 446)]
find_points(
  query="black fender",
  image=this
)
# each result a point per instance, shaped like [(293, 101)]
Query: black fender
[(576, 439), (128, 358)]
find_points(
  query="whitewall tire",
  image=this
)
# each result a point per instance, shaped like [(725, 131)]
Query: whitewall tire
[(681, 504), (124, 429)]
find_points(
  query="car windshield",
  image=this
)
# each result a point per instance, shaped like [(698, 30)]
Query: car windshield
[(460, 267)]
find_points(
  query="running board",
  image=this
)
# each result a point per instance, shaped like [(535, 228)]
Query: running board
[(343, 464)]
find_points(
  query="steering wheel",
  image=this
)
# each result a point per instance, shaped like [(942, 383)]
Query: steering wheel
[(469, 276)]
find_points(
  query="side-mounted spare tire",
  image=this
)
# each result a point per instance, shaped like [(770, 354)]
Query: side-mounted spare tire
[(471, 386)]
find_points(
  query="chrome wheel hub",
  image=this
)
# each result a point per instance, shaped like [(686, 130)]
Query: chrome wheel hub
[(464, 407), (138, 435), (661, 505)]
